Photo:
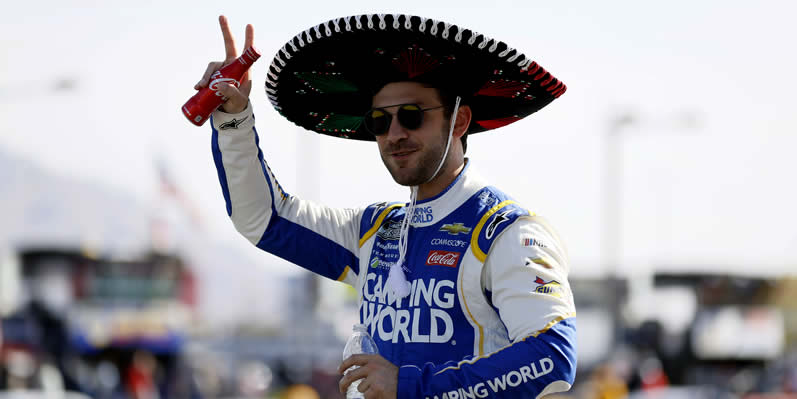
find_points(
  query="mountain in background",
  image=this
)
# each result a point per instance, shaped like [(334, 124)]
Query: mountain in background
[(39, 208)]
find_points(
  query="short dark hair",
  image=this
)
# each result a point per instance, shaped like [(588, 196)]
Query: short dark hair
[(449, 99)]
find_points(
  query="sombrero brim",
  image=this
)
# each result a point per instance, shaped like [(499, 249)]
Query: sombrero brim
[(325, 77)]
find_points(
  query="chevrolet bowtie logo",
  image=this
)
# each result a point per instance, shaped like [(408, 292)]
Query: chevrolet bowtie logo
[(455, 229)]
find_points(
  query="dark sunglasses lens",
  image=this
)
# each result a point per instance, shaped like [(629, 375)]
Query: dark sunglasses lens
[(377, 122), (410, 116)]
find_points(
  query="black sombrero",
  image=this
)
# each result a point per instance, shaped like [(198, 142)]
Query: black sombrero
[(325, 77)]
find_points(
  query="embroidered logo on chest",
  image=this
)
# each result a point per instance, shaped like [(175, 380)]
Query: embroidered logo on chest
[(455, 228), (442, 258), (390, 230), (423, 215)]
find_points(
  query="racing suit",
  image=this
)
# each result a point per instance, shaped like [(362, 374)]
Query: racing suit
[(490, 312)]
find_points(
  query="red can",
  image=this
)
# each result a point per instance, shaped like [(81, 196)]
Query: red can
[(199, 107)]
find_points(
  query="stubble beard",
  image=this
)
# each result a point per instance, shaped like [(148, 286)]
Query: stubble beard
[(415, 175)]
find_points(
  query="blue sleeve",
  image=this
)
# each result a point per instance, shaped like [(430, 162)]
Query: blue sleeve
[(542, 363), (321, 239)]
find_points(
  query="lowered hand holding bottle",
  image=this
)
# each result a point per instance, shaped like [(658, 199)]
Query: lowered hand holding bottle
[(359, 342)]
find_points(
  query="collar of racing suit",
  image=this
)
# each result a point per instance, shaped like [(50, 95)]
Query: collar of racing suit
[(424, 213), (397, 280)]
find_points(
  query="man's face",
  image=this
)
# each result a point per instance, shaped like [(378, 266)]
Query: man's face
[(411, 156)]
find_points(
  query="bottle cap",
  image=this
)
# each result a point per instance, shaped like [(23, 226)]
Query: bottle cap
[(251, 54)]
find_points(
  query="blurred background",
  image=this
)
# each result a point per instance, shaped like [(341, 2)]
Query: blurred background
[(668, 168)]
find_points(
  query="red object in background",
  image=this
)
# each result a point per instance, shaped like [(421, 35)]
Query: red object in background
[(655, 379), (140, 381), (187, 288), (199, 107)]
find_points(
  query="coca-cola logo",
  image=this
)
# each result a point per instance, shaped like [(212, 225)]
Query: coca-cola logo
[(442, 258)]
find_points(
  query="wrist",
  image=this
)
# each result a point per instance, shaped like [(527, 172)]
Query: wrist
[(239, 121), (229, 107)]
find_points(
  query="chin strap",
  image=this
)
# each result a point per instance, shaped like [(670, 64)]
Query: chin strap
[(397, 280)]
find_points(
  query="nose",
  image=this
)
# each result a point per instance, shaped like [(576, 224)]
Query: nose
[(395, 131)]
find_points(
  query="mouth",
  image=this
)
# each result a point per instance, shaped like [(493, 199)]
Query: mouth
[(402, 154)]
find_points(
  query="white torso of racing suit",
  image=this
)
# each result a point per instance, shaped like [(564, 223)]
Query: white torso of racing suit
[(490, 312)]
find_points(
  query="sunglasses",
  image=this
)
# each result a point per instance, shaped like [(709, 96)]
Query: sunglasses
[(410, 116)]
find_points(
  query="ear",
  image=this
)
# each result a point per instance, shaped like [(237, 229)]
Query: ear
[(463, 121)]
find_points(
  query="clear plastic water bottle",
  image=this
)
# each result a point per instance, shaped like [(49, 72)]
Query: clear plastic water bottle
[(359, 342)]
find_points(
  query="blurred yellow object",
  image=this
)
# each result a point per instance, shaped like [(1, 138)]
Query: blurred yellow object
[(607, 384), (299, 391)]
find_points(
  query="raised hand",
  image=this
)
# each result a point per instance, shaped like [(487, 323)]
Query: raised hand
[(236, 98)]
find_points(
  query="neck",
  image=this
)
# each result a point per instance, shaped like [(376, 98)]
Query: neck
[(441, 181)]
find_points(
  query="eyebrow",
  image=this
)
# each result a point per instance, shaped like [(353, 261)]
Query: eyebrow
[(398, 105)]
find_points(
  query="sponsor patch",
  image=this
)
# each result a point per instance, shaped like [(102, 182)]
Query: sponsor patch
[(497, 220), (527, 372), (425, 316), (552, 287), (378, 208), (533, 242), (487, 199), (423, 215), (442, 258), (233, 124), (387, 246), (379, 263), (389, 231), (455, 229), (540, 261), (450, 242)]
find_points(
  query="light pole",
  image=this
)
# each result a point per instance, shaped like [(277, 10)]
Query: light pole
[(613, 173), (613, 191)]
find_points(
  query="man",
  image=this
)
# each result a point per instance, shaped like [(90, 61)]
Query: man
[(464, 291)]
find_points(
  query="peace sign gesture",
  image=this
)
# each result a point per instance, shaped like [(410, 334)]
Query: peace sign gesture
[(236, 97)]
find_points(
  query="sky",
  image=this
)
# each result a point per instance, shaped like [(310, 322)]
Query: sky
[(93, 90)]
